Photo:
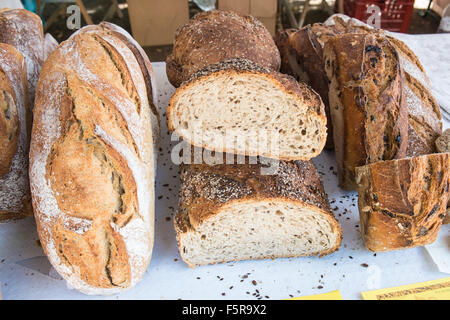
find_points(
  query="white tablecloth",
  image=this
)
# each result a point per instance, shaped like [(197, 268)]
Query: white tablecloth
[(25, 272)]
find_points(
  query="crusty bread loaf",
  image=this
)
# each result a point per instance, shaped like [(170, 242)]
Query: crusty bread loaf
[(402, 202), (23, 30), (368, 108), (424, 115), (50, 44), (233, 212), (91, 164), (443, 145), (215, 36), (239, 107), (15, 128), (302, 57), (108, 29)]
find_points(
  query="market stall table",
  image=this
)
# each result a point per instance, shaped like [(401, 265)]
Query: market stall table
[(25, 272)]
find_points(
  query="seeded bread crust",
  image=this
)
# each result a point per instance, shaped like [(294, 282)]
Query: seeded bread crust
[(206, 190), (285, 82), (23, 30), (402, 203), (367, 102), (92, 164), (214, 36), (15, 128)]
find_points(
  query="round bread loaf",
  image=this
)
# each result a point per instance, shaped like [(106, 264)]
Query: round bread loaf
[(215, 36)]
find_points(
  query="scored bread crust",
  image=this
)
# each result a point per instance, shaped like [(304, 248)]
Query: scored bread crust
[(402, 203), (367, 102), (15, 128), (92, 165), (23, 30), (108, 28), (206, 190), (214, 36), (285, 83)]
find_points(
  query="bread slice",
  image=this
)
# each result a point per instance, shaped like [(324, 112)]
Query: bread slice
[(369, 113), (233, 212), (239, 107), (402, 203)]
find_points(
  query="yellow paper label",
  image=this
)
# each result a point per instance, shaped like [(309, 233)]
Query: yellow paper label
[(430, 290), (333, 295)]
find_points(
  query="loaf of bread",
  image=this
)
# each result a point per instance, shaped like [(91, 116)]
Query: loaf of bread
[(15, 128), (302, 57), (402, 202), (368, 108), (235, 212), (215, 36), (50, 44), (443, 145), (92, 163), (239, 107), (108, 29), (424, 115), (23, 30)]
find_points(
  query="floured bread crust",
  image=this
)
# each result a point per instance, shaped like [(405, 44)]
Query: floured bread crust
[(92, 164)]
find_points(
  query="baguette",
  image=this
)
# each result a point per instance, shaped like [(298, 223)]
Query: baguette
[(15, 128), (23, 30), (402, 203), (215, 36), (368, 110), (234, 212), (239, 107), (92, 164)]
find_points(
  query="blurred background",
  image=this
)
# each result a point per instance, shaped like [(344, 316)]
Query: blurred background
[(153, 22)]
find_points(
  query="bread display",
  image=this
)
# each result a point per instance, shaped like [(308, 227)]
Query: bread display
[(368, 110), (233, 212), (92, 163), (23, 30), (239, 107), (402, 203), (215, 36), (15, 128)]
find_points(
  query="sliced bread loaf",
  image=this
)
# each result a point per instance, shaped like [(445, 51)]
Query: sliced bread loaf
[(233, 212), (402, 203), (239, 107), (368, 108)]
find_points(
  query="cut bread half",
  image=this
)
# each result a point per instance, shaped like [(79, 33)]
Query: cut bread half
[(238, 107), (232, 212)]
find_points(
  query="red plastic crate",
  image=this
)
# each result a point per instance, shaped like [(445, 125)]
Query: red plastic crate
[(395, 14)]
